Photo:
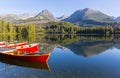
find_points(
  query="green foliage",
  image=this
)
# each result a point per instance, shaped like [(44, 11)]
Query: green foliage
[(6, 28), (7, 37), (96, 30), (54, 28), (10, 27), (68, 28), (26, 32), (31, 29), (61, 28)]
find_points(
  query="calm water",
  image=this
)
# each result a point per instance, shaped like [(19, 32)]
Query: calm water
[(79, 58)]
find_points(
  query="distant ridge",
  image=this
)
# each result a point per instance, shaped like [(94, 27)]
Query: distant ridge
[(118, 19), (62, 17), (27, 17), (14, 17), (82, 17), (89, 16)]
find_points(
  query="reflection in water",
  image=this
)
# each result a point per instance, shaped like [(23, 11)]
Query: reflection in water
[(68, 65), (69, 59), (88, 48), (37, 65), (56, 39), (46, 48)]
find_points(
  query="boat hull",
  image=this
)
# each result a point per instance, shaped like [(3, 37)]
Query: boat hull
[(28, 49), (30, 58), (36, 65), (2, 43)]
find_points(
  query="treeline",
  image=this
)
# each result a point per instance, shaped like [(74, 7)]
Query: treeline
[(54, 28), (26, 32), (61, 28), (96, 30), (6, 28), (9, 28), (68, 28), (25, 29)]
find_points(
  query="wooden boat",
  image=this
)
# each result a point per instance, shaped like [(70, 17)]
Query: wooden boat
[(2, 43), (17, 44), (25, 56), (13, 45), (35, 65), (2, 46), (28, 48)]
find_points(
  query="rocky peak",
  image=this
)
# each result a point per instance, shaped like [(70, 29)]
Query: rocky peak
[(62, 17), (88, 16), (45, 14)]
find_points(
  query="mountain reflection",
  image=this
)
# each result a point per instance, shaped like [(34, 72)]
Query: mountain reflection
[(88, 48), (84, 45), (117, 46), (68, 58)]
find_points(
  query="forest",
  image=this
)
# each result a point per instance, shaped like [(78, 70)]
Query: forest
[(68, 28), (54, 28), (10, 28)]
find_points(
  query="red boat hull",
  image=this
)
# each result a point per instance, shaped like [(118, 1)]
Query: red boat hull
[(29, 58), (36, 65), (28, 49), (2, 43)]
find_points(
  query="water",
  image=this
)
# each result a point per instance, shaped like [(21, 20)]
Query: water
[(79, 58)]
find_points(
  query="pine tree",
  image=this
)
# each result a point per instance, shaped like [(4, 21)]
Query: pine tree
[(10, 27)]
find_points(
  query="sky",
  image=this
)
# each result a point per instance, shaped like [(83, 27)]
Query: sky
[(59, 7)]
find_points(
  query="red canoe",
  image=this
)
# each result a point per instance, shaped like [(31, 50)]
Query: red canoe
[(2, 43), (13, 45), (31, 57), (28, 48), (17, 44)]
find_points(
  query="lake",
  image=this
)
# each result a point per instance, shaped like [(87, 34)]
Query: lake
[(70, 57)]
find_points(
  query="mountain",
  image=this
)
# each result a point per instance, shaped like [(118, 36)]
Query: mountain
[(14, 17), (118, 19), (89, 16), (26, 16), (9, 17), (83, 17), (62, 17), (45, 14), (112, 17)]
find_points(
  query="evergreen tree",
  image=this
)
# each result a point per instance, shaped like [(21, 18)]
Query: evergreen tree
[(10, 27), (4, 27)]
